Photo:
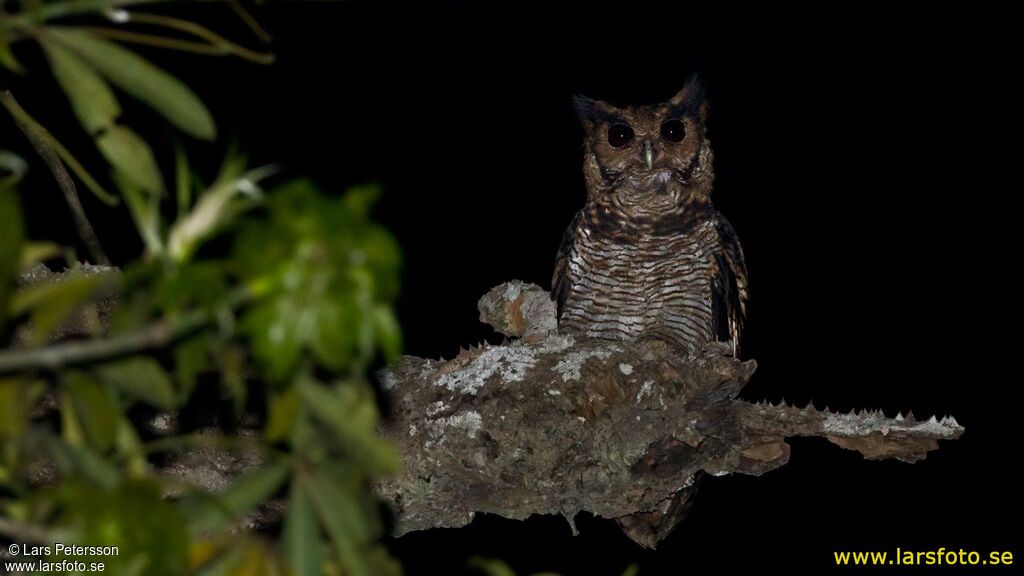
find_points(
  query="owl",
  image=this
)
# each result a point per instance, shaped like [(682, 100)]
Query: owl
[(648, 256)]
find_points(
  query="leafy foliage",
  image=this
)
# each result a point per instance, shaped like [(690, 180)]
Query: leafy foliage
[(131, 73), (282, 322), (310, 306), (331, 272)]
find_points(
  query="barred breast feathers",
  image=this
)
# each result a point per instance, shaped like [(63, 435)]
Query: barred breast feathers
[(680, 277)]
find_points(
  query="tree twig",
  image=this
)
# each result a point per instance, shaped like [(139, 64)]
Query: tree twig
[(197, 30), (58, 356), (157, 41), (153, 336), (214, 45), (54, 10), (249, 21), (41, 140)]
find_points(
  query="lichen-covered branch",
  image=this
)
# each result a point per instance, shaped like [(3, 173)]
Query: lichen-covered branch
[(548, 424)]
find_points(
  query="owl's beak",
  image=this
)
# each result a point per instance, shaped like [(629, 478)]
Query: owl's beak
[(648, 153)]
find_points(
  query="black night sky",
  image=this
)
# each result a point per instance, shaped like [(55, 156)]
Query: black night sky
[(867, 158)]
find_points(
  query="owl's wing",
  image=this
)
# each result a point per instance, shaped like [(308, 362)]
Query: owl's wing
[(730, 286), (561, 284)]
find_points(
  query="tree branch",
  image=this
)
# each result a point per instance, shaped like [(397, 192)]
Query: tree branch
[(70, 353), (57, 356), (554, 425)]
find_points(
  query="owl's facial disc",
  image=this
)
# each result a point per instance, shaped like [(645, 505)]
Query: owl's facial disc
[(646, 154)]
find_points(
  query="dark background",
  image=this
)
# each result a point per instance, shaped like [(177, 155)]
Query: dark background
[(867, 157)]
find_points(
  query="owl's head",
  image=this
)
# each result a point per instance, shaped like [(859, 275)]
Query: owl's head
[(646, 154)]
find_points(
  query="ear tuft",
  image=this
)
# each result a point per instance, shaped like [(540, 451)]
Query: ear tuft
[(692, 99), (586, 108)]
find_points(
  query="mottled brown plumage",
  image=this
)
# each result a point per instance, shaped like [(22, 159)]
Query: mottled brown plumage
[(648, 256)]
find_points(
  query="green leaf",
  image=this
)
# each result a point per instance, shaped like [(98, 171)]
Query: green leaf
[(42, 294), (233, 193), (490, 566), (7, 59), (326, 406), (35, 252), (350, 410), (91, 98), (283, 410), (70, 424), (272, 326), (182, 181), (246, 556), (389, 333), (145, 211), (141, 378), (17, 399), (231, 362), (227, 563), (302, 544), (242, 496), (11, 238), (190, 360), (52, 302), (13, 415), (260, 561), (194, 284), (331, 338), (95, 411), (131, 157), (358, 200), (381, 562), (84, 463), (34, 129), (350, 527), (148, 530), (130, 449), (250, 557), (383, 259), (137, 76)]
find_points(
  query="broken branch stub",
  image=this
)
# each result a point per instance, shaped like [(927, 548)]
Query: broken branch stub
[(553, 425)]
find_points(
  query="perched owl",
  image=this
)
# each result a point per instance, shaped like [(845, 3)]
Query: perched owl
[(648, 256)]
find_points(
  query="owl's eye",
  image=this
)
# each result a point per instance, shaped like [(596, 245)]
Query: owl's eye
[(619, 135), (673, 131)]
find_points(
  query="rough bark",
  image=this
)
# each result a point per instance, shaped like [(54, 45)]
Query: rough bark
[(553, 425)]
